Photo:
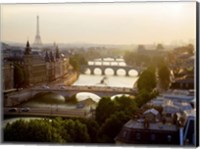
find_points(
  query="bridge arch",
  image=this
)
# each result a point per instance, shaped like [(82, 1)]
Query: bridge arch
[(97, 70), (130, 71), (85, 95), (133, 72), (109, 71), (87, 71), (121, 72)]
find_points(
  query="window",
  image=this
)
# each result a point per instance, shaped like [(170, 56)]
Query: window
[(153, 137), (124, 133), (169, 138), (138, 136)]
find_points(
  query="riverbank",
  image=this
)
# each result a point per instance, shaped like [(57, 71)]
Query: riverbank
[(71, 78), (19, 97), (68, 79)]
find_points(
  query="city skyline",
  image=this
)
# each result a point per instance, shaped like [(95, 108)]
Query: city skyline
[(101, 23)]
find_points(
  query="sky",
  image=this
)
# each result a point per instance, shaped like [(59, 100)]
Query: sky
[(100, 23)]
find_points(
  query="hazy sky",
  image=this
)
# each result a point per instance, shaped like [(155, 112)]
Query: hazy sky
[(111, 23)]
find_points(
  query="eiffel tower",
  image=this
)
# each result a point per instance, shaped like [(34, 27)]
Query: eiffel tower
[(38, 42)]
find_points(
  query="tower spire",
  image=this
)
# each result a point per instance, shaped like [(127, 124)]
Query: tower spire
[(38, 41), (38, 30)]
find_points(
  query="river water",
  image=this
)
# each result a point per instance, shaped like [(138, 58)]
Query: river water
[(107, 80)]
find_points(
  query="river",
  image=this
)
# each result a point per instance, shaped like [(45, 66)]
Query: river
[(121, 80)]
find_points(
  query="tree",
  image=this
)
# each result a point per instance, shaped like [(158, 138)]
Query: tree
[(147, 80), (145, 96), (164, 76), (32, 131), (74, 63), (42, 131), (112, 126), (126, 104), (16, 131), (104, 109), (77, 60), (93, 128), (76, 130)]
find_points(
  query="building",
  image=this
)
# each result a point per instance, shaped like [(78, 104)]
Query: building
[(38, 67), (141, 132), (173, 125), (144, 131), (8, 79), (184, 83), (34, 66)]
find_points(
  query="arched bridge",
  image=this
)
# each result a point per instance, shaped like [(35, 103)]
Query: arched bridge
[(19, 97), (115, 68), (72, 90)]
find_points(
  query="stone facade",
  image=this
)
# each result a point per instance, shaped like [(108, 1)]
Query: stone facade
[(8, 79), (37, 68)]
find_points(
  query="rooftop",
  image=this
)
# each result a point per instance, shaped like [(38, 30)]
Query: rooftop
[(154, 111), (139, 124)]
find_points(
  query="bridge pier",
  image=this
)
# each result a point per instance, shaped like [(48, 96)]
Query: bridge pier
[(127, 72), (139, 72), (103, 71), (92, 71), (115, 72)]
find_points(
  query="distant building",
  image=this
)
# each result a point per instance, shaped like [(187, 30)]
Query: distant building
[(38, 41), (159, 51)]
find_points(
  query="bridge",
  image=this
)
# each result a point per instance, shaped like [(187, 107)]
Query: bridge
[(114, 64), (115, 68), (100, 91), (24, 95)]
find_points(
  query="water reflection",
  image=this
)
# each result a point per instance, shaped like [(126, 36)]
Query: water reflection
[(45, 100), (86, 95)]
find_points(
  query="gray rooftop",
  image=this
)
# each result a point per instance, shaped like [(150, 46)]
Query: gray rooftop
[(138, 124)]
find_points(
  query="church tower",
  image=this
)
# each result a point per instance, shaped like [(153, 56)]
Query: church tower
[(28, 63), (38, 42)]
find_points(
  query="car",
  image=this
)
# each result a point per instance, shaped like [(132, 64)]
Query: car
[(25, 109), (63, 87), (13, 110), (45, 86), (80, 106)]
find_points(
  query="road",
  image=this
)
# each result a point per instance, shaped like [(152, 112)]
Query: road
[(50, 111)]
